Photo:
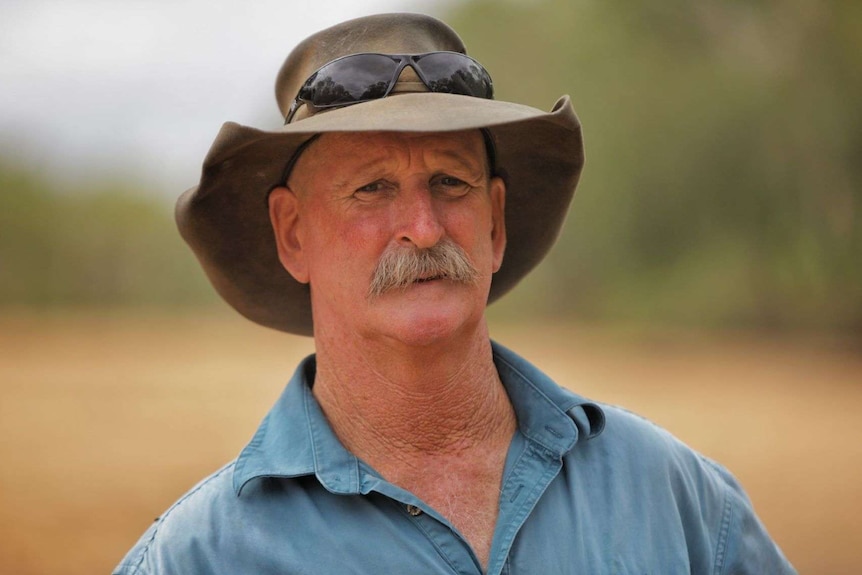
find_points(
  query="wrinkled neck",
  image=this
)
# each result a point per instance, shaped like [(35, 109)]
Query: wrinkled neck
[(434, 400)]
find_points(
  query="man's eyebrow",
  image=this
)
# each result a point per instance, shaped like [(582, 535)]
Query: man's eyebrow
[(465, 160)]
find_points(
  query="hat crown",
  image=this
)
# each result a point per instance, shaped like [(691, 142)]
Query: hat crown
[(384, 33)]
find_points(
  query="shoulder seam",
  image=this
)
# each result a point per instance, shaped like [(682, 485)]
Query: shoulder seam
[(163, 516), (721, 546)]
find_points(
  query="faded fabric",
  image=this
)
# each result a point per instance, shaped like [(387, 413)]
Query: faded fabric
[(586, 489)]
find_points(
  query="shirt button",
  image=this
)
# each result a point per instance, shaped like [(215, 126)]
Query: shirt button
[(413, 510)]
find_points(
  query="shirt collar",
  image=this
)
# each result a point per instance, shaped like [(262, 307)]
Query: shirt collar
[(548, 414), (295, 438)]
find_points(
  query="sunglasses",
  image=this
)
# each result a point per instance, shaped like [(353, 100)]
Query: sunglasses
[(369, 76)]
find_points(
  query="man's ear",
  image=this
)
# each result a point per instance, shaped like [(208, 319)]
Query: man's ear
[(284, 216), (497, 191)]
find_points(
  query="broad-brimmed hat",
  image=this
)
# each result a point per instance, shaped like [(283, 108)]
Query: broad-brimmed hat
[(225, 219)]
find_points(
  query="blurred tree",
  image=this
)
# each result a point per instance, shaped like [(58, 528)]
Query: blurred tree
[(104, 246), (723, 182)]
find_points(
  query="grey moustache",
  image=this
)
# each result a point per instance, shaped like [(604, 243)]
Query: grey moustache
[(400, 267)]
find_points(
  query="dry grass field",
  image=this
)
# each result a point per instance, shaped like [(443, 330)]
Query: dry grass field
[(106, 419)]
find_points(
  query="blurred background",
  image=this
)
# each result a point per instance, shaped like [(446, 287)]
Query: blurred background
[(708, 276)]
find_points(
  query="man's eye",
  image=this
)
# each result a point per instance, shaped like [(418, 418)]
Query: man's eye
[(450, 186), (372, 187), (451, 181), (373, 190)]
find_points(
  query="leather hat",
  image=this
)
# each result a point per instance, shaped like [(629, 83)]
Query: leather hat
[(225, 219)]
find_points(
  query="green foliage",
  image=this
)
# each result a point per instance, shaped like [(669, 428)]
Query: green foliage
[(104, 246), (723, 182)]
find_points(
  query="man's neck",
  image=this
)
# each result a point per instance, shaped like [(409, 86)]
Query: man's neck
[(385, 399), (435, 421)]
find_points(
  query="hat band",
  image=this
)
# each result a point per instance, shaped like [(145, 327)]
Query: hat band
[(370, 76)]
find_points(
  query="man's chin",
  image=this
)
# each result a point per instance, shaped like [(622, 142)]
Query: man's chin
[(428, 321)]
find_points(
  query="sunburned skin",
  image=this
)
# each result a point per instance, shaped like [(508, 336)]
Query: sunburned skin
[(354, 196)]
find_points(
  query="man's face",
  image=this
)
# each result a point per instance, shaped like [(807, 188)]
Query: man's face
[(354, 196)]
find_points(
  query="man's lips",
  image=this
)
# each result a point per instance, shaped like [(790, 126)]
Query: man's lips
[(429, 279)]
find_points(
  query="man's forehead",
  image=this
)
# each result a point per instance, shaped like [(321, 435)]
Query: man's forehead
[(364, 143), (338, 149)]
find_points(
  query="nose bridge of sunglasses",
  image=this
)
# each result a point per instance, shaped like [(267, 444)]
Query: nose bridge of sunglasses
[(409, 81)]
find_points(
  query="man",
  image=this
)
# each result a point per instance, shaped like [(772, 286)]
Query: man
[(398, 200)]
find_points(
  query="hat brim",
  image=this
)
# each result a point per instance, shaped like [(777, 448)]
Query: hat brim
[(225, 219)]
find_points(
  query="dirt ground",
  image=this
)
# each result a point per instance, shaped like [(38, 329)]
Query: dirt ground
[(106, 419)]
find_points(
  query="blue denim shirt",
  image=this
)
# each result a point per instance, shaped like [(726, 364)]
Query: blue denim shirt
[(587, 489)]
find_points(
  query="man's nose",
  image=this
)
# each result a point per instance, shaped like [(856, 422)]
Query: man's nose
[(419, 221)]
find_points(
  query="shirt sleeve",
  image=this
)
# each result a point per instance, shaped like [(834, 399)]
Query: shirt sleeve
[(132, 563), (744, 546)]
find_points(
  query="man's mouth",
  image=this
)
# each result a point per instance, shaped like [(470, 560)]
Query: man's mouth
[(430, 279)]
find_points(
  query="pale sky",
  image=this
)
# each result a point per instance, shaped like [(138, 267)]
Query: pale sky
[(101, 87)]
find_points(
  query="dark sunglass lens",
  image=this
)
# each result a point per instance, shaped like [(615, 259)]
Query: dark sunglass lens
[(349, 80), (455, 74)]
